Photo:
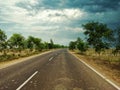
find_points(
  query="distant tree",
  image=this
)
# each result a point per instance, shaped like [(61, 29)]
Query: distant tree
[(25, 44), (58, 46), (30, 43), (51, 44), (117, 41), (81, 45), (78, 39), (98, 35), (3, 43), (34, 43), (46, 45), (72, 45), (38, 44), (16, 41), (51, 41), (42, 46)]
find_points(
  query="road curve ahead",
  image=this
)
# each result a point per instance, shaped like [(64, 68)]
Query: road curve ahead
[(58, 70)]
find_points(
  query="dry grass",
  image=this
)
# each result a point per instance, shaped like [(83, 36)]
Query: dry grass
[(106, 55), (106, 62), (11, 55)]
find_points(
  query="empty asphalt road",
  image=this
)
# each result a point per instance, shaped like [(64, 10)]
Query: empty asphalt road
[(57, 70)]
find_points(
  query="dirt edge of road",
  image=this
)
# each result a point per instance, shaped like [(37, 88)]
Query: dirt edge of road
[(15, 61), (104, 70)]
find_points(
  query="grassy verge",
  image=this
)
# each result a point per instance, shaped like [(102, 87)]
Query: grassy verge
[(107, 64), (16, 55)]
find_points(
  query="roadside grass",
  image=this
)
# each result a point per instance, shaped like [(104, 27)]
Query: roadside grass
[(11, 55), (106, 62), (106, 56)]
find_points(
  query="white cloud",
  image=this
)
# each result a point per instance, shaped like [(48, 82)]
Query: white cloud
[(75, 29), (33, 2), (46, 23), (11, 13), (73, 13), (9, 2)]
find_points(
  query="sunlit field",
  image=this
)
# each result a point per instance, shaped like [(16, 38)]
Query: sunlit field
[(106, 55), (16, 54)]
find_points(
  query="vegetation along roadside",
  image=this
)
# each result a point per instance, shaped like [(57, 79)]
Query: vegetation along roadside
[(18, 46), (101, 48)]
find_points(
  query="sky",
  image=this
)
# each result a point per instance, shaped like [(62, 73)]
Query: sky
[(59, 20)]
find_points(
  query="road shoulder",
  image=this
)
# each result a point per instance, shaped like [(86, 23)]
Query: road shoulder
[(13, 62), (101, 71)]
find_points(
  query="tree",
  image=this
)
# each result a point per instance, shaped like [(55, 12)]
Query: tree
[(3, 43), (30, 42), (17, 41), (51, 44), (38, 44), (72, 45), (117, 41), (98, 35), (81, 45), (46, 45), (34, 43)]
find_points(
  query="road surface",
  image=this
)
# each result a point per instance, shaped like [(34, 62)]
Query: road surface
[(57, 70)]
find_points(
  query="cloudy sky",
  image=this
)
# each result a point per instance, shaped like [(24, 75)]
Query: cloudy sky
[(59, 20)]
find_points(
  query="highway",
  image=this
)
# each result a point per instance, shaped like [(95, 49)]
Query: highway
[(56, 70)]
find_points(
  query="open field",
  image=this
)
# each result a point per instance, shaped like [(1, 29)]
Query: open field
[(106, 55)]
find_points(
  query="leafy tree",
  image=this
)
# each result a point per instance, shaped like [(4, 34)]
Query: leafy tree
[(3, 36), (30, 43), (58, 46), (42, 46), (38, 44), (98, 35), (117, 41), (46, 45), (34, 43), (72, 45), (17, 41), (3, 43), (51, 44), (81, 45)]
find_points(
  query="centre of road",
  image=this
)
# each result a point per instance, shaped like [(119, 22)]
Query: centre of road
[(27, 80), (50, 58)]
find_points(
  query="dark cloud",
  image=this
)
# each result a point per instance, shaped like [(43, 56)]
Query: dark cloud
[(87, 5), (97, 6), (104, 11), (51, 3)]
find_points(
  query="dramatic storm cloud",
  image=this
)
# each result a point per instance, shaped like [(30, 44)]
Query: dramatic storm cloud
[(59, 20)]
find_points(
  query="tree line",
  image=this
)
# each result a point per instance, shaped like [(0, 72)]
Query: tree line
[(18, 43), (99, 37)]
